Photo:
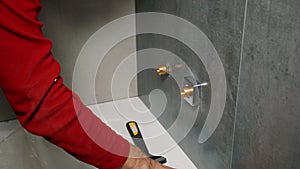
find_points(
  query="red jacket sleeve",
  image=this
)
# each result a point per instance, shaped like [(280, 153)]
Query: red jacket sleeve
[(29, 77)]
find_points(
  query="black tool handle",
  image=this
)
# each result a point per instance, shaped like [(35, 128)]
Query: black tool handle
[(137, 137), (138, 140)]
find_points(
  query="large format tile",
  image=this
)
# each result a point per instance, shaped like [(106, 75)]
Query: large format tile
[(222, 22), (267, 126), (69, 24)]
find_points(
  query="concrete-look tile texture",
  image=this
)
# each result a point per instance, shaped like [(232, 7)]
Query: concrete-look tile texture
[(69, 24), (267, 129), (268, 111), (222, 22)]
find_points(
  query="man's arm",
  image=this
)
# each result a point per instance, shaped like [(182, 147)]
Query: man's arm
[(29, 77)]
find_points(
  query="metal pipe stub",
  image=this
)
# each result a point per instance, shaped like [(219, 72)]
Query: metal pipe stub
[(163, 70)]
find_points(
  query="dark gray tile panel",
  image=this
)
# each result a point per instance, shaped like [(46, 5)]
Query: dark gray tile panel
[(268, 113), (222, 22)]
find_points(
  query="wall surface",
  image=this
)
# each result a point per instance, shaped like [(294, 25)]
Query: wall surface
[(258, 43), (69, 24), (222, 22), (268, 111)]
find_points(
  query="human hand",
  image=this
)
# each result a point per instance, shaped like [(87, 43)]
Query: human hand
[(138, 160)]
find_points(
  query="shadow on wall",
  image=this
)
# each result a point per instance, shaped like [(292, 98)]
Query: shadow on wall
[(6, 112)]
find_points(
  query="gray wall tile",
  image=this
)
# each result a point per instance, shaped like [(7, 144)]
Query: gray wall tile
[(69, 24), (222, 22), (267, 127)]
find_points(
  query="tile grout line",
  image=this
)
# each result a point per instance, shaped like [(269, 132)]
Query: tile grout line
[(238, 84)]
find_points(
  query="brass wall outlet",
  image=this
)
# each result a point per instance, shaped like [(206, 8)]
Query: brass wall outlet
[(163, 70), (187, 91), (191, 92)]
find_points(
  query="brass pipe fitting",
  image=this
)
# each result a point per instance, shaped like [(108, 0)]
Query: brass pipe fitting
[(187, 91), (162, 70)]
